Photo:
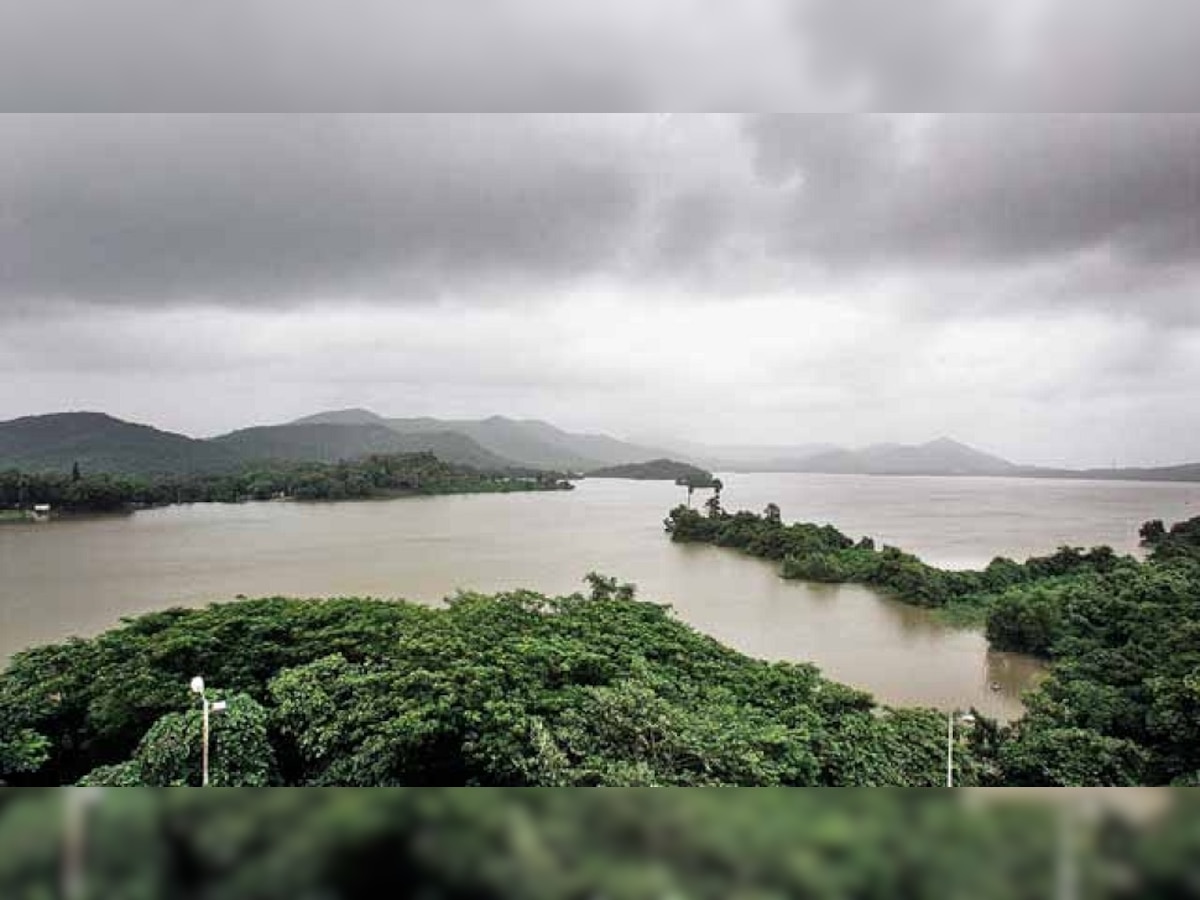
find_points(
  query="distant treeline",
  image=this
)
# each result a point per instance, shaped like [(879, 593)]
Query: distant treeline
[(372, 476), (1122, 702)]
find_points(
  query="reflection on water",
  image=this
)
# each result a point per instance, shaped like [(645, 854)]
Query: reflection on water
[(79, 577)]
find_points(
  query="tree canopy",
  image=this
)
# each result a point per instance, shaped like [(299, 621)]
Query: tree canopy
[(512, 689)]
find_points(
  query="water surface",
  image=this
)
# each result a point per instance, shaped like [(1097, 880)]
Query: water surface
[(80, 576)]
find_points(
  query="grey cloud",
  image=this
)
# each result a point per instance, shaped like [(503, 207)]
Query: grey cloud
[(277, 209), (1095, 55), (522, 55), (294, 54), (692, 223), (1005, 187), (832, 155), (1022, 55), (280, 210), (935, 52)]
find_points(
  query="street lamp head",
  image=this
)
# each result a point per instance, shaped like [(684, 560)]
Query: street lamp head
[(197, 685)]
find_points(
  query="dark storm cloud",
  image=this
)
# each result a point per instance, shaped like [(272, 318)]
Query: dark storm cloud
[(275, 210), (268, 209), (990, 192)]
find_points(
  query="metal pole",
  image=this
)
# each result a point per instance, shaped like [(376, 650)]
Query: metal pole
[(950, 749), (204, 748), (1068, 861)]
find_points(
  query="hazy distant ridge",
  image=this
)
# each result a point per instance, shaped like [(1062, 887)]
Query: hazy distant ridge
[(332, 442), (941, 457), (527, 442)]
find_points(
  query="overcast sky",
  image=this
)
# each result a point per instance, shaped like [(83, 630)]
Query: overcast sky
[(1028, 282)]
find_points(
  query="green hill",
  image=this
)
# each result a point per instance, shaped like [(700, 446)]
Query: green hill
[(101, 443)]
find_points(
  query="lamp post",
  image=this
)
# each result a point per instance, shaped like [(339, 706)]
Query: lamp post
[(966, 719), (75, 839), (206, 708)]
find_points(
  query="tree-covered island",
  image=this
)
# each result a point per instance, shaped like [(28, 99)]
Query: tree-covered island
[(657, 470), (379, 475)]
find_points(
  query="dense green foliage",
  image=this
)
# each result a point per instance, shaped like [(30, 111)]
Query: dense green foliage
[(374, 476), (169, 754), (516, 689), (1121, 705)]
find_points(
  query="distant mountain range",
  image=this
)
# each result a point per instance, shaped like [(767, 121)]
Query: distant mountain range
[(329, 443), (101, 443), (528, 442)]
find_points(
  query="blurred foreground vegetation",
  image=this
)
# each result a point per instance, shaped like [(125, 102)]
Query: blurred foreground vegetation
[(621, 845)]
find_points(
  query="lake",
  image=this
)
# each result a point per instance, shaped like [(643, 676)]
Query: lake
[(80, 576)]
